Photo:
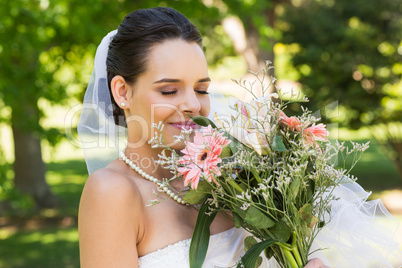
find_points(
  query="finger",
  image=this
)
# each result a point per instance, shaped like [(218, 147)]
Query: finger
[(316, 263)]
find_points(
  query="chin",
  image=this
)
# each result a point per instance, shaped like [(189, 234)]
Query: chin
[(177, 146)]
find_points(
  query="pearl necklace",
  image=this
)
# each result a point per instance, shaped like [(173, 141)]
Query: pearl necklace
[(165, 189)]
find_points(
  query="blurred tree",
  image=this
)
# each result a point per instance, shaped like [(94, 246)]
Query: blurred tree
[(350, 53), (257, 20), (46, 53), (24, 34), (41, 50)]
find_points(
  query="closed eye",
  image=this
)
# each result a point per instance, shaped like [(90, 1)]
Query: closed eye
[(168, 92), (202, 92)]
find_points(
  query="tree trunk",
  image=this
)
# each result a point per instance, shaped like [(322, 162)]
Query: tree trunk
[(245, 36), (389, 137), (397, 146), (398, 165), (260, 55), (245, 45), (269, 54), (29, 168)]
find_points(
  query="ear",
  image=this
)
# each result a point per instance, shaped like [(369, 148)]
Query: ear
[(120, 91)]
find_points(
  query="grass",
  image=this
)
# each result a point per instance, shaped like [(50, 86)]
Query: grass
[(48, 247), (50, 238), (375, 171)]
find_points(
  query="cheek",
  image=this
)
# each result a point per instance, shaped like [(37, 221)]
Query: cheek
[(157, 108), (205, 106), (167, 113), (163, 111)]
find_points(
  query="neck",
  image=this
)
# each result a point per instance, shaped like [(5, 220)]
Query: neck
[(161, 186), (145, 157)]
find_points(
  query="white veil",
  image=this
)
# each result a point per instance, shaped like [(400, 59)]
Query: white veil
[(101, 138), (361, 233)]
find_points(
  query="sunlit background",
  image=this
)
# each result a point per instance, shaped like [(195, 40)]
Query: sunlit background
[(346, 56)]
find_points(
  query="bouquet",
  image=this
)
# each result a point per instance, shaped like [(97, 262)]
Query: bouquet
[(271, 173)]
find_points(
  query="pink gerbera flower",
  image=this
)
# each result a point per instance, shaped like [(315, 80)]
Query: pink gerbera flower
[(291, 122), (201, 157), (311, 134), (315, 133)]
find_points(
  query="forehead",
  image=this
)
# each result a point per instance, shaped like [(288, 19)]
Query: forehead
[(177, 59)]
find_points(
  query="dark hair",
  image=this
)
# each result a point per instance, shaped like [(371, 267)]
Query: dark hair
[(136, 35)]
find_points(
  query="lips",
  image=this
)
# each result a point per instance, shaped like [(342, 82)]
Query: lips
[(184, 124)]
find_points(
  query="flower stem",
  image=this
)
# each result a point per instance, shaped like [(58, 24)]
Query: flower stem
[(256, 175), (235, 185), (289, 256), (296, 251), (284, 245)]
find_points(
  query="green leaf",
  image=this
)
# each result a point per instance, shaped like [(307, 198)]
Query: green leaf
[(257, 219), (269, 252), (281, 231), (203, 121), (252, 255), (234, 145), (226, 152), (313, 221), (277, 144), (197, 196), (306, 213), (310, 189), (306, 231), (249, 242), (258, 263), (295, 185), (321, 224), (238, 221), (239, 211), (201, 235)]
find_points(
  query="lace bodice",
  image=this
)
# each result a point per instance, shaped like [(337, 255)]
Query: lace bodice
[(224, 250)]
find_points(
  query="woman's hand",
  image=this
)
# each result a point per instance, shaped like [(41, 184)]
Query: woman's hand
[(315, 263)]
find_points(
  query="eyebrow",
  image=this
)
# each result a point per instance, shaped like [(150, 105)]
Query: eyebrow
[(170, 80)]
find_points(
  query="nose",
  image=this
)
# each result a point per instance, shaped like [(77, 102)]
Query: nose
[(191, 104)]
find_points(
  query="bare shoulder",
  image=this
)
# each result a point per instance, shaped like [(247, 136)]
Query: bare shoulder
[(109, 192), (110, 183), (109, 220), (108, 188)]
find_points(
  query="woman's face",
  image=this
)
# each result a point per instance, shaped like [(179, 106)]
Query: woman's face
[(173, 87)]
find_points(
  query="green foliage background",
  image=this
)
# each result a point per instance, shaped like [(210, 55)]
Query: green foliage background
[(344, 52), (350, 52)]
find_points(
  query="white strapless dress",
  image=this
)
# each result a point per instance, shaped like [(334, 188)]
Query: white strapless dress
[(225, 250)]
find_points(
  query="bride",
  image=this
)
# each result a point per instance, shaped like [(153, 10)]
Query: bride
[(151, 70)]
